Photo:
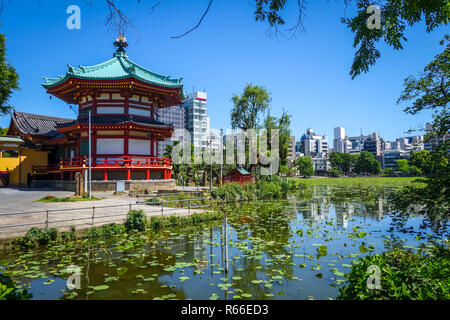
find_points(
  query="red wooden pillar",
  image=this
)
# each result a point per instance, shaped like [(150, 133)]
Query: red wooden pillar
[(152, 147), (125, 143), (71, 175), (105, 175), (62, 175), (128, 174), (147, 174)]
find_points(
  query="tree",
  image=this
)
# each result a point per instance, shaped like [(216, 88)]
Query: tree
[(344, 162), (367, 164), (248, 110), (403, 165), (249, 107), (422, 160), (305, 166), (431, 91), (9, 79), (3, 131), (283, 125)]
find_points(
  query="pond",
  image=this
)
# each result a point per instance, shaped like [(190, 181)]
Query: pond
[(298, 248)]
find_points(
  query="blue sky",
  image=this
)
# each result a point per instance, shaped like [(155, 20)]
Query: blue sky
[(307, 76)]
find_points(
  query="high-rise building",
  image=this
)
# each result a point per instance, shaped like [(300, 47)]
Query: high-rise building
[(339, 141), (175, 116), (196, 119)]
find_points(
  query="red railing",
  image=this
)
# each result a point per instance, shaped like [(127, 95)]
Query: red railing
[(116, 162), (44, 169)]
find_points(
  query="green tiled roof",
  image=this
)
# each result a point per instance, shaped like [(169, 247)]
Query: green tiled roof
[(242, 171), (119, 67), (12, 139)]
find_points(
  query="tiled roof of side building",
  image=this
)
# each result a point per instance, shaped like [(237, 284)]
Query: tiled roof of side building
[(36, 124), (119, 67)]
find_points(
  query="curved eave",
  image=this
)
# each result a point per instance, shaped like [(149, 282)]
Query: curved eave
[(131, 76), (125, 125)]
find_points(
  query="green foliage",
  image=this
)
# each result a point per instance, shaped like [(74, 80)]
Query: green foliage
[(305, 166), (389, 172), (404, 276), (367, 164), (334, 172), (3, 131), (422, 160), (157, 222), (403, 165), (9, 79), (284, 140), (136, 220), (430, 91), (104, 231), (152, 201), (268, 190), (50, 198), (36, 236), (262, 189), (395, 16), (8, 290), (248, 108), (344, 162)]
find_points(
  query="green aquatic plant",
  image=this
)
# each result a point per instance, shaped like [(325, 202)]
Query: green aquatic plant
[(8, 290), (136, 220), (404, 275)]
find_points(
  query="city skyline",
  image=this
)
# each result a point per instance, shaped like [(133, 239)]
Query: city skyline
[(313, 87)]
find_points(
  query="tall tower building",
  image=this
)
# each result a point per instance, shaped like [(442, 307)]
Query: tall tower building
[(196, 120), (339, 143)]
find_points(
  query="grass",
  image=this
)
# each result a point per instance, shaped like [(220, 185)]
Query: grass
[(379, 181), (50, 198)]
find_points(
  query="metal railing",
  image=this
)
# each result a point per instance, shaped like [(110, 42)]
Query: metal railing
[(56, 217)]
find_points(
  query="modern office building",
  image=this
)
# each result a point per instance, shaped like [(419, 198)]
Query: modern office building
[(390, 157)]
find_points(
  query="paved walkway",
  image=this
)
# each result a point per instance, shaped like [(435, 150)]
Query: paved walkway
[(79, 214)]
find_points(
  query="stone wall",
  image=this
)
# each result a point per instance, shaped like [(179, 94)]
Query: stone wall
[(153, 185)]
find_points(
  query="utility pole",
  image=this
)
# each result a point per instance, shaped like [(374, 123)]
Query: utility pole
[(90, 157)]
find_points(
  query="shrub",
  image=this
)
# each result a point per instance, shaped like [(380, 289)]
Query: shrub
[(107, 230), (404, 275), (335, 172), (136, 221), (37, 236), (155, 223)]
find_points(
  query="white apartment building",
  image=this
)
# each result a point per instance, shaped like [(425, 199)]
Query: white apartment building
[(196, 118), (314, 145)]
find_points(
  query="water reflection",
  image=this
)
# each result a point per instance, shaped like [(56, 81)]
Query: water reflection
[(274, 252)]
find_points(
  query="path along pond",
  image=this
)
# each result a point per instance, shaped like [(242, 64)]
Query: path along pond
[(298, 248)]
